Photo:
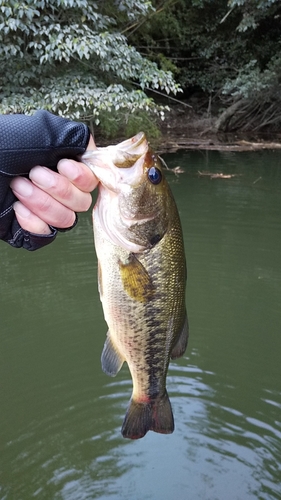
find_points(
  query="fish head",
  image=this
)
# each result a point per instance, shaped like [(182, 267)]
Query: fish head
[(134, 196)]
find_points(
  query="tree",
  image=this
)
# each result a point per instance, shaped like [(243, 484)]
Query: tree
[(256, 87), (225, 51), (72, 58)]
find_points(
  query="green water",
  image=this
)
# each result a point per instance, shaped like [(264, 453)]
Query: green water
[(60, 415)]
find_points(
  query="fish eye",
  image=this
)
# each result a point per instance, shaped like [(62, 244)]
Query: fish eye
[(154, 175)]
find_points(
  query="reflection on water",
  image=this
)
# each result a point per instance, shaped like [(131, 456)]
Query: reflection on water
[(61, 417)]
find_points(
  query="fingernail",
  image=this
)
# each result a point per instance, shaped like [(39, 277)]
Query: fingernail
[(21, 210), (68, 169), (42, 177), (22, 187)]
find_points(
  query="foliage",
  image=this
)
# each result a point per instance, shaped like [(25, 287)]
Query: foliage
[(221, 49), (96, 60), (189, 34), (257, 82), (251, 80), (71, 58), (113, 124), (258, 99), (254, 11)]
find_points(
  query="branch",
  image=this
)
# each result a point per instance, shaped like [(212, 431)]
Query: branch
[(137, 25), (163, 95)]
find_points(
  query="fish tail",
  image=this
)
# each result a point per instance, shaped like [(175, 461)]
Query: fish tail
[(155, 415)]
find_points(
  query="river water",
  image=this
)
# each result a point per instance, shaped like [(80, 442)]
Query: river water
[(60, 415)]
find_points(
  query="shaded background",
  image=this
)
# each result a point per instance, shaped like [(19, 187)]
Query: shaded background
[(60, 415)]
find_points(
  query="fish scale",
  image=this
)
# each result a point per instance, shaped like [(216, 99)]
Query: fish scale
[(142, 277)]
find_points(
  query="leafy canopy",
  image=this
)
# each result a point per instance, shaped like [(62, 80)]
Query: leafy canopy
[(73, 58), (216, 45)]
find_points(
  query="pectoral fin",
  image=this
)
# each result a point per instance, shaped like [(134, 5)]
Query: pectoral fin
[(136, 280), (181, 343), (111, 359)]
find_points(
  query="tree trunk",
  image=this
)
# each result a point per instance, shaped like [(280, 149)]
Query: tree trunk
[(223, 120)]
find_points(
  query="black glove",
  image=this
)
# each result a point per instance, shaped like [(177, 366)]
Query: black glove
[(26, 141)]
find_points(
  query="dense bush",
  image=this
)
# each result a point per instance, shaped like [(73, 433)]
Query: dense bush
[(101, 61), (223, 51), (71, 58)]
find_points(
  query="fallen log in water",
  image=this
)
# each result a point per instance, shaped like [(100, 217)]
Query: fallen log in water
[(214, 175), (212, 145)]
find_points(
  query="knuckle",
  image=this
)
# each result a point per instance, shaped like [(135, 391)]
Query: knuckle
[(66, 221), (44, 203), (64, 190), (85, 180)]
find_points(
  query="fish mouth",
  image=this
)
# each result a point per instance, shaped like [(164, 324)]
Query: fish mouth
[(130, 150), (118, 164), (131, 145), (122, 155)]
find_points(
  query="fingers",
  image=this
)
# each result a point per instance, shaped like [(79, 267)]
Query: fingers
[(30, 222), (41, 205), (61, 189), (51, 198), (79, 174)]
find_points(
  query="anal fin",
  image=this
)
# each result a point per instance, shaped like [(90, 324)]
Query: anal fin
[(111, 359)]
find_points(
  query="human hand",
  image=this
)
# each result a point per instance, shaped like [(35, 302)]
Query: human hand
[(49, 198)]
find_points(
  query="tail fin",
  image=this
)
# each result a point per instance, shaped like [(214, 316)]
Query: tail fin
[(155, 415)]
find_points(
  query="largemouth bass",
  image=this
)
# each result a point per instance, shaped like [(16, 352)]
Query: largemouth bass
[(141, 276)]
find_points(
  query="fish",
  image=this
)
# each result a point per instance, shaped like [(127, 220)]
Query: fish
[(141, 277)]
